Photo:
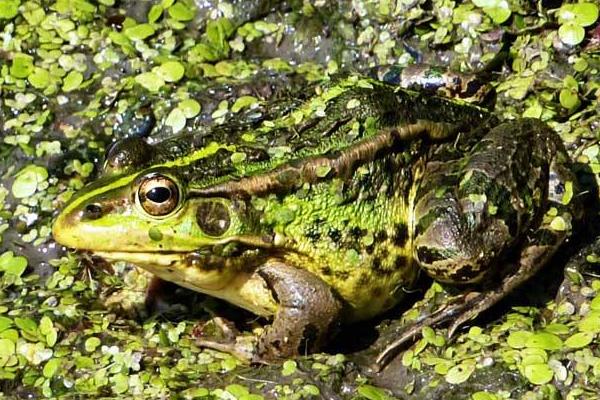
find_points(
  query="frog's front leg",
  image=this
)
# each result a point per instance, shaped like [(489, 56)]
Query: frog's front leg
[(475, 210), (307, 313)]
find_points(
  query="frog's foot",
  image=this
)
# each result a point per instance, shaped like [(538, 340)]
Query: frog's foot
[(221, 335), (466, 306)]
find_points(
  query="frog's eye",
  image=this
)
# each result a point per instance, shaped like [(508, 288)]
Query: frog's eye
[(213, 218), (158, 195)]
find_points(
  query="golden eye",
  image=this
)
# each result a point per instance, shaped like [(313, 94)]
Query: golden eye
[(213, 218), (158, 195)]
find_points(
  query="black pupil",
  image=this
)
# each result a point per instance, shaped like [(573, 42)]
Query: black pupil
[(158, 194)]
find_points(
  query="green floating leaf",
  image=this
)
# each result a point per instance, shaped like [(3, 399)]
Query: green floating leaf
[(7, 351), (171, 71), (22, 66), (155, 13), (190, 108), (139, 32), (373, 393), (91, 344), (176, 120), (582, 14), (591, 323), (27, 180), (571, 34), (51, 367), (538, 374), (72, 81), (484, 396), (288, 368), (150, 81), (181, 12), (544, 340), (39, 78), (579, 340), (569, 98), (518, 339), (9, 8), (243, 102), (460, 373)]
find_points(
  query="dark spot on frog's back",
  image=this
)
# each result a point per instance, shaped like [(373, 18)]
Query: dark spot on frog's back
[(335, 234), (401, 235), (380, 236), (379, 269)]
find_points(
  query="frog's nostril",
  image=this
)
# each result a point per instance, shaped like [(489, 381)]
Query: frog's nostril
[(92, 211)]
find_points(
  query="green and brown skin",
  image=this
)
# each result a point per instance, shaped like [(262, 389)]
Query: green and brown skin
[(324, 214)]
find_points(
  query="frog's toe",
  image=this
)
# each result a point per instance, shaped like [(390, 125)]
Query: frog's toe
[(221, 335), (243, 348)]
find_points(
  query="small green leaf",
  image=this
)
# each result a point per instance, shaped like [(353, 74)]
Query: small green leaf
[(22, 65), (322, 170), (558, 224), (120, 383), (5, 323), (518, 339), (27, 181), (176, 120), (151, 81), (12, 265), (484, 396), (243, 102), (582, 14), (373, 393), (72, 81), (7, 351), (569, 98), (289, 367), (579, 340), (9, 8), (26, 324), (460, 373), (591, 323), (46, 325), (39, 78), (538, 374), (181, 12), (571, 34), (155, 13), (51, 367), (91, 344), (171, 71), (139, 32), (189, 107), (544, 340)]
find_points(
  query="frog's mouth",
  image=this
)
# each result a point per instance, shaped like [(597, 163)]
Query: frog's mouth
[(190, 269), (143, 259)]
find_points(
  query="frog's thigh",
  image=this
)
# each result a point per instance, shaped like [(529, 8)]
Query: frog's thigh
[(472, 209), (307, 312)]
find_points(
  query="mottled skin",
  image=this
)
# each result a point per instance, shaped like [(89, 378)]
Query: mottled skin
[(325, 213)]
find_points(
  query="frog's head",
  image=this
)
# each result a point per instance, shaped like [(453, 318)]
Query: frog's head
[(143, 209)]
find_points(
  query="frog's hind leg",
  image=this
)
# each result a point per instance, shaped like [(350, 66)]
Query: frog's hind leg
[(474, 209), (470, 304)]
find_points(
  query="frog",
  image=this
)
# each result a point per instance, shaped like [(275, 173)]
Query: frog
[(325, 214)]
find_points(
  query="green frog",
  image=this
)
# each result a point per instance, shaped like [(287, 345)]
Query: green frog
[(325, 213)]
